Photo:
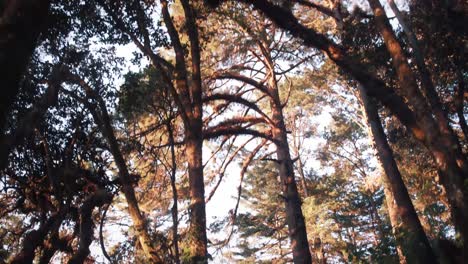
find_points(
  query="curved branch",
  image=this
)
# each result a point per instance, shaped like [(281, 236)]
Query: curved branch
[(242, 78), (99, 198), (237, 130), (101, 237), (224, 167), (245, 165), (375, 87), (239, 100)]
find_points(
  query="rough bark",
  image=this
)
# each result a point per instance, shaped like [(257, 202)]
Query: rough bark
[(410, 236), (197, 231), (294, 217), (21, 23), (35, 238), (438, 138), (194, 134), (189, 98), (103, 121), (98, 199)]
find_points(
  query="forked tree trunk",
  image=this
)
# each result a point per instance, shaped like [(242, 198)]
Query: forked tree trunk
[(97, 199), (35, 238), (409, 234)]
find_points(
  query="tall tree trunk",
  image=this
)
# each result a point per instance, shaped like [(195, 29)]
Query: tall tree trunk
[(21, 23), (450, 163), (103, 121), (420, 123), (409, 234), (427, 84), (197, 230), (194, 134), (394, 219), (294, 216)]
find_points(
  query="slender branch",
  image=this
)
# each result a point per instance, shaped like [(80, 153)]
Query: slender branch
[(242, 78), (101, 237), (245, 165), (238, 130), (239, 100)]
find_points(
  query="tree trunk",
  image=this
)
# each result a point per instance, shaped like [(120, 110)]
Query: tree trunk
[(30, 121), (34, 239), (197, 231), (21, 23), (104, 123), (419, 122), (294, 216), (189, 99), (428, 86), (174, 210), (441, 142), (409, 234), (394, 219), (97, 199)]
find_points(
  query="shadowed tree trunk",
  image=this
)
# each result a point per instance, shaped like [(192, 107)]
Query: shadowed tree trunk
[(21, 23), (409, 234), (26, 126), (189, 94), (419, 120), (35, 238), (294, 216), (103, 121), (439, 136), (97, 199)]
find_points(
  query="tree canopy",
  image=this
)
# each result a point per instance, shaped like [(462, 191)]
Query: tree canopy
[(263, 131)]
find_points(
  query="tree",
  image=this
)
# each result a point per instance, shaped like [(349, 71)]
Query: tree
[(419, 120), (21, 24), (265, 81)]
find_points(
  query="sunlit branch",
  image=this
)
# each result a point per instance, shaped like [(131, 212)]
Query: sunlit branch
[(242, 78), (225, 165), (239, 100), (245, 165)]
